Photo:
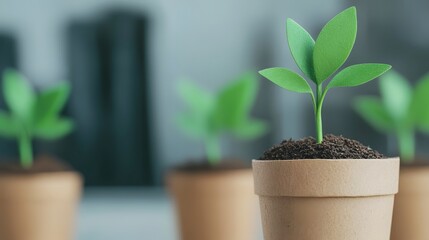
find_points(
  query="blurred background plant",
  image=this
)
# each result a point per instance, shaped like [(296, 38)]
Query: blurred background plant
[(32, 115), (400, 111), (210, 115)]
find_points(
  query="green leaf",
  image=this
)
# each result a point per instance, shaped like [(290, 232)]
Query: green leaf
[(420, 107), (372, 110), (334, 44), (286, 79), (54, 129), (396, 95), (196, 98), (234, 102), (19, 95), (228, 112), (192, 126), (301, 45), (358, 74), (9, 127), (197, 121), (50, 102), (251, 129)]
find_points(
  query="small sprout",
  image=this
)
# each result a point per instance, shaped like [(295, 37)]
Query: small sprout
[(32, 115), (401, 111), (210, 115), (320, 59)]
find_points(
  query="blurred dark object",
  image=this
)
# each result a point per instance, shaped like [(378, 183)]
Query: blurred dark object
[(8, 53), (89, 150), (108, 70), (129, 91), (8, 59)]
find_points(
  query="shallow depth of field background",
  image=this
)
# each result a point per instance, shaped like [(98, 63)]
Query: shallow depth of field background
[(124, 59)]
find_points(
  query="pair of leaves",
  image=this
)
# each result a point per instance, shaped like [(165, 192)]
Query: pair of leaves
[(33, 114), (321, 58), (227, 111), (400, 107), (349, 77)]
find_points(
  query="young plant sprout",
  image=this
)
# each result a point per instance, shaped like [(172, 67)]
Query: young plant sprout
[(401, 111), (320, 59), (32, 115), (210, 115)]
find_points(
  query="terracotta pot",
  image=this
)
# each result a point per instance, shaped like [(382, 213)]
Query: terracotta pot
[(320, 199), (214, 205), (411, 211), (39, 206)]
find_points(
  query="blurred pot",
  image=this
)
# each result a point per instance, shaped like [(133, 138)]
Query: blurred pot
[(214, 205), (411, 211), (39, 205), (320, 199)]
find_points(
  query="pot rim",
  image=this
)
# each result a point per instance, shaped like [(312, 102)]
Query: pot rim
[(326, 177), (330, 159), (228, 182), (40, 174)]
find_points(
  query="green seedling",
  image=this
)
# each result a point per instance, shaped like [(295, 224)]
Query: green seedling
[(32, 115), (401, 111), (210, 115), (320, 59)]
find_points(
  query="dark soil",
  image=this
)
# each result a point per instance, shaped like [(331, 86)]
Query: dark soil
[(43, 164), (205, 166), (332, 147)]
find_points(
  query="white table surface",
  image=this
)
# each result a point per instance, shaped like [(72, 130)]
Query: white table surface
[(127, 214)]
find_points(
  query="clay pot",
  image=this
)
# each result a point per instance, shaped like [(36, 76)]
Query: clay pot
[(320, 199), (217, 205), (411, 211), (39, 206)]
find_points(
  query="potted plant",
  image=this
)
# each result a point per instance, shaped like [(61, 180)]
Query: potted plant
[(331, 187), (38, 200), (214, 197), (402, 111)]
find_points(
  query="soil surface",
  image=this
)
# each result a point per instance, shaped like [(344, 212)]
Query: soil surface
[(332, 147), (205, 166), (43, 164)]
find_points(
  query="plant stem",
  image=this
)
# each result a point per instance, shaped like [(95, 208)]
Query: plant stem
[(319, 127), (25, 150), (213, 150), (406, 144)]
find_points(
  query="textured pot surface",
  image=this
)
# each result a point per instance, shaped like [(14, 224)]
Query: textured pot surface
[(411, 211), (321, 199), (214, 205), (39, 206)]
